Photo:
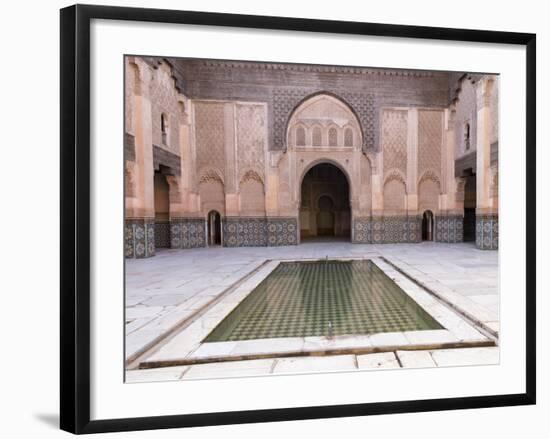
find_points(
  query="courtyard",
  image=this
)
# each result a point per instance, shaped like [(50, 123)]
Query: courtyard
[(291, 218), (175, 299)]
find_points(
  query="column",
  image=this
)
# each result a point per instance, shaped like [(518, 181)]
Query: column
[(413, 222), (412, 161), (231, 165), (377, 199), (140, 214), (486, 217), (187, 226), (452, 208), (272, 184), (186, 162)]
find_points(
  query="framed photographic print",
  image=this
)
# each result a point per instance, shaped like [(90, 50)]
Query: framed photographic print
[(273, 218)]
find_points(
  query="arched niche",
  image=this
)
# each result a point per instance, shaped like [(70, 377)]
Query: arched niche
[(252, 194), (211, 191), (394, 193), (429, 190)]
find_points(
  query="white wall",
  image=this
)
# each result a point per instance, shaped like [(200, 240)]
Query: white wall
[(29, 224)]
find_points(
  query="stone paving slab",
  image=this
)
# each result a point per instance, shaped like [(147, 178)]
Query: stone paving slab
[(385, 360), (229, 369), (415, 359), (296, 365), (152, 375), (314, 364), (466, 357)]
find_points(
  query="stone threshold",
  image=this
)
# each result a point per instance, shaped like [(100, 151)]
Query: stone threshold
[(318, 347)]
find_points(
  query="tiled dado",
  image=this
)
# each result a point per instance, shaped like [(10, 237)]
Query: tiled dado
[(362, 230), (139, 237), (187, 232), (282, 231), (487, 232), (259, 232), (162, 234), (244, 232), (387, 229), (448, 228)]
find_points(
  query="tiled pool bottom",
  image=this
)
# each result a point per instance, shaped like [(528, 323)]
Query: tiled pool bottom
[(323, 298)]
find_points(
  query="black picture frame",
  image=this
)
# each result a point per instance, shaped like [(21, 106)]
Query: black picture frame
[(75, 217)]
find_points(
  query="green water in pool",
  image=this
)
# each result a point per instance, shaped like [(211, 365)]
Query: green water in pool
[(323, 298)]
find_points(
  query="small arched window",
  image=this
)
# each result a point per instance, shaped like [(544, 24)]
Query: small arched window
[(316, 139), (300, 136), (332, 137), (348, 137), (164, 128), (466, 136)]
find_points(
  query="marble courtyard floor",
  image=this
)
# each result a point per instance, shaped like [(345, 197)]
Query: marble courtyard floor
[(174, 299)]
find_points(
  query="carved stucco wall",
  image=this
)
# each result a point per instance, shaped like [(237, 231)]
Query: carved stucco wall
[(251, 139), (210, 160), (287, 100), (365, 192), (324, 121), (285, 197), (252, 195), (209, 139), (394, 197), (466, 112), (393, 140), (164, 100), (430, 139), (493, 102), (283, 86), (428, 195), (251, 149), (130, 76), (212, 193)]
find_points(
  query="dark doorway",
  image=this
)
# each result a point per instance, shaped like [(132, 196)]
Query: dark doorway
[(470, 199), (469, 224), (162, 211), (428, 226), (325, 216), (214, 228), (325, 207)]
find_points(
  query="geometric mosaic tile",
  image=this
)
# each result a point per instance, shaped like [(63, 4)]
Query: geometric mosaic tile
[(139, 238), (487, 232), (187, 232), (259, 232), (387, 229)]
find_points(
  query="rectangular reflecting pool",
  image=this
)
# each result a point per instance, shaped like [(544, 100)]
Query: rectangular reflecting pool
[(323, 298)]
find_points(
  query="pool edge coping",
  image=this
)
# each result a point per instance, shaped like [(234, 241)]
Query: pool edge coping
[(188, 361)]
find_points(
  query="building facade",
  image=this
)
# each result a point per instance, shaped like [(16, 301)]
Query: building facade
[(264, 154)]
